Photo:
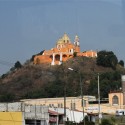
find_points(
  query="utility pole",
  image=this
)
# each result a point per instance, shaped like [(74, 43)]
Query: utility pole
[(81, 86), (99, 113), (65, 98), (64, 103)]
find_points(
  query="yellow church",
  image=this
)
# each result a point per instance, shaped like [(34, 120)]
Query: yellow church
[(63, 51)]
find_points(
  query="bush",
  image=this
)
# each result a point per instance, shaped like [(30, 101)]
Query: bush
[(17, 65), (87, 123), (69, 123), (121, 62), (106, 122), (107, 59), (7, 97)]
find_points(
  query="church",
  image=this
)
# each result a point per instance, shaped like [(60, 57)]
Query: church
[(63, 50)]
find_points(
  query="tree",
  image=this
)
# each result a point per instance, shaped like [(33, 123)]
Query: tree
[(121, 62), (108, 80), (3, 76), (106, 122), (7, 97), (109, 121), (107, 59), (17, 65)]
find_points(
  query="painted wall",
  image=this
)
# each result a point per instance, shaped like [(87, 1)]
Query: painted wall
[(92, 108), (120, 99), (11, 118)]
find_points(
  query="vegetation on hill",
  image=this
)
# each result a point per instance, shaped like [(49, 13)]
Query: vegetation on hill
[(44, 80), (108, 59)]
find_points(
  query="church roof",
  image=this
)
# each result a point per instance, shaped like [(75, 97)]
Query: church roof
[(64, 39)]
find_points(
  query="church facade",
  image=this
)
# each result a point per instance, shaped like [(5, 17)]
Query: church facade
[(63, 51)]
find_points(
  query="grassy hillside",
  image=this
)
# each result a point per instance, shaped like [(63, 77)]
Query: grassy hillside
[(44, 80)]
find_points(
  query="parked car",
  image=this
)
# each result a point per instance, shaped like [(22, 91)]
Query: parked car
[(120, 112)]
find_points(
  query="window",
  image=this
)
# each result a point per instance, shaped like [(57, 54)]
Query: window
[(57, 57), (60, 105), (51, 105), (73, 106), (32, 122), (115, 100)]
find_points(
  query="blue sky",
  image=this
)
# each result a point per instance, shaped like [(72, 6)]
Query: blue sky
[(30, 26)]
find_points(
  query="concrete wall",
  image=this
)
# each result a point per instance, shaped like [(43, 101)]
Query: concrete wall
[(55, 102), (16, 113), (35, 111), (105, 108), (16, 106)]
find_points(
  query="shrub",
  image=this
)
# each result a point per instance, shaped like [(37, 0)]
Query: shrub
[(106, 122)]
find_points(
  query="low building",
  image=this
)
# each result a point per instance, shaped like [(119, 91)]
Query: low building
[(117, 98), (55, 117), (72, 103), (75, 103), (90, 104), (23, 114), (71, 115)]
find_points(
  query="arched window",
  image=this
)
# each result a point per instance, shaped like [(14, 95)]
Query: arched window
[(57, 57), (64, 56), (115, 100)]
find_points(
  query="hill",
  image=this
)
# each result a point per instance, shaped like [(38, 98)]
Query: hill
[(44, 80)]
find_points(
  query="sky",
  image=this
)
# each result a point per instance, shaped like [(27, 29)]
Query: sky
[(29, 26)]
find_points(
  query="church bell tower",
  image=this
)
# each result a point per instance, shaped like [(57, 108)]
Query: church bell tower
[(77, 44)]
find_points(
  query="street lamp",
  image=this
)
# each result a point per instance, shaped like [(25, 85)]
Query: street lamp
[(120, 96), (81, 88), (100, 115), (64, 90), (65, 101)]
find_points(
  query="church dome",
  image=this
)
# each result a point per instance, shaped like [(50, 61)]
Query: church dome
[(65, 38), (60, 41)]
